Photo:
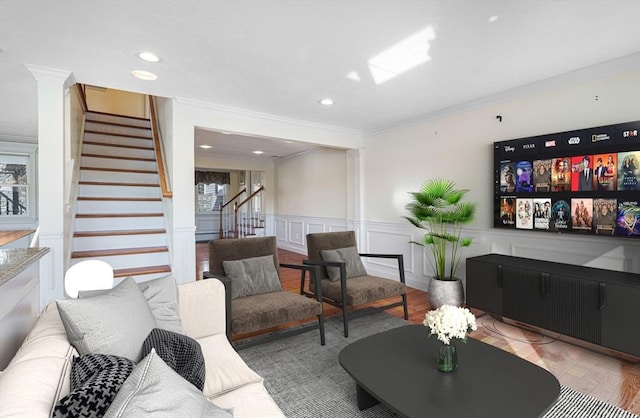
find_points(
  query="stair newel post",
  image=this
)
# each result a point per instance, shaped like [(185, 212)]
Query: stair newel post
[(235, 220)]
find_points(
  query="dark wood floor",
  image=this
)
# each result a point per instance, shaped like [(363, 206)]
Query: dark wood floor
[(602, 376)]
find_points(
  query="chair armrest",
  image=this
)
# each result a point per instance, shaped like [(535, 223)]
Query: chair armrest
[(314, 272), (227, 298), (398, 257), (343, 274), (202, 308)]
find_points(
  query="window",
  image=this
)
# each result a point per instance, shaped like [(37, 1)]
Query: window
[(210, 197), (17, 184)]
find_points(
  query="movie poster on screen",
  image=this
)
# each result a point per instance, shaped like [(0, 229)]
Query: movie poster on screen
[(507, 177), (561, 174), (628, 223), (605, 172), (542, 175), (524, 213), (524, 177), (582, 214), (581, 173), (628, 170), (541, 213), (604, 216), (508, 211), (560, 216)]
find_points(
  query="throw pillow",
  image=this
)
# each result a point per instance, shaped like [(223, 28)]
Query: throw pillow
[(349, 256), (95, 381), (162, 296), (153, 389), (183, 354), (115, 322), (252, 276)]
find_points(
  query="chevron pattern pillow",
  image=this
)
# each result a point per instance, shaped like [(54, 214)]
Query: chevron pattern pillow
[(95, 381)]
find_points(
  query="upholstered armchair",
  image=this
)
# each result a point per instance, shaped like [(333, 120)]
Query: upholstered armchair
[(255, 300), (344, 282)]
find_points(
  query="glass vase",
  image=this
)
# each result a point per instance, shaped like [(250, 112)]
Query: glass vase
[(447, 358)]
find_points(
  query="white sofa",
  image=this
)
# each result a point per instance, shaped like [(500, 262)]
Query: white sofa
[(39, 374)]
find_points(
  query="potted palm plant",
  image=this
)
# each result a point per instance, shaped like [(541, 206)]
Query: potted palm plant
[(438, 208)]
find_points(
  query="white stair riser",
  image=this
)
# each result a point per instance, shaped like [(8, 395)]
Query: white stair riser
[(119, 224), (118, 176), (117, 129), (133, 260), (108, 206), (119, 241), (85, 190), (118, 140), (115, 151), (117, 163), (118, 119)]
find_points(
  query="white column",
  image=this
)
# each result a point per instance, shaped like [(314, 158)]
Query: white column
[(51, 96)]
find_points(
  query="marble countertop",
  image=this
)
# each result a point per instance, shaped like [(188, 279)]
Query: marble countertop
[(15, 260)]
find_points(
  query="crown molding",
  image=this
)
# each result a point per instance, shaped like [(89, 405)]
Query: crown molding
[(234, 111), (51, 75), (601, 70)]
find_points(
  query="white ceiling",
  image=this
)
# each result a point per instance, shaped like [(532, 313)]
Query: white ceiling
[(282, 57)]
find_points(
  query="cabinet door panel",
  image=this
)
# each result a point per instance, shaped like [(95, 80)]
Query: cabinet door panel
[(619, 316), (526, 298), (575, 307), (484, 286)]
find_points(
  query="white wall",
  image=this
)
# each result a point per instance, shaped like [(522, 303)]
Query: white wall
[(313, 184), (459, 147)]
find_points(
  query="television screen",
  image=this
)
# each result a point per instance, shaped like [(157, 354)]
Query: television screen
[(583, 182)]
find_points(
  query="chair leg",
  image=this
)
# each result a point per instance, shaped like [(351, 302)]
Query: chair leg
[(404, 304), (321, 326), (345, 321)]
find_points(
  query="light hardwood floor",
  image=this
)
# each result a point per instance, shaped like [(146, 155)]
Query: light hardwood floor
[(602, 376)]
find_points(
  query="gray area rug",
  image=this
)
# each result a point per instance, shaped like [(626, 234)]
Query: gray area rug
[(306, 380)]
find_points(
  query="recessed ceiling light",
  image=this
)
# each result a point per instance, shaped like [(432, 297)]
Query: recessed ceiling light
[(148, 56), (326, 102), (144, 75), (493, 19), (258, 152), (206, 146)]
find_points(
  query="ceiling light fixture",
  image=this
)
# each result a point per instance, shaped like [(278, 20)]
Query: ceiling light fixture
[(326, 102), (148, 56), (206, 146), (144, 75), (493, 19), (258, 152)]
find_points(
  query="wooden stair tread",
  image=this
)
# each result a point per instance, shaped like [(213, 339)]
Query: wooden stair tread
[(114, 183), (105, 144), (136, 271), (117, 157), (118, 251), (124, 199), (89, 131), (124, 125), (116, 232), (117, 215), (97, 112), (118, 170)]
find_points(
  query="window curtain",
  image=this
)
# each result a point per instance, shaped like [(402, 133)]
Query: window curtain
[(208, 177)]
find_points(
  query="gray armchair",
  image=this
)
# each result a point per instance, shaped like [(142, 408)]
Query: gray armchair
[(349, 284), (255, 300)]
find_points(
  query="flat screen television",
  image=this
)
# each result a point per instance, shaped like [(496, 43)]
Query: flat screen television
[(581, 182)]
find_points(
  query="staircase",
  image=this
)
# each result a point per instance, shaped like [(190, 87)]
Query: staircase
[(119, 209)]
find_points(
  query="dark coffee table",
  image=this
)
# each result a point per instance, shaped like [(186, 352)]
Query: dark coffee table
[(399, 368)]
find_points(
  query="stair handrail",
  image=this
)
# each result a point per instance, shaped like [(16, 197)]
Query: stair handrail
[(19, 205), (237, 207), (224, 205), (157, 144)]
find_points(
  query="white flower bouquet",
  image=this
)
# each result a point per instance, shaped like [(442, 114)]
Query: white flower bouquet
[(450, 323)]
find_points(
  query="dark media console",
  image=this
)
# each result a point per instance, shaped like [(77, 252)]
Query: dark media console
[(594, 305)]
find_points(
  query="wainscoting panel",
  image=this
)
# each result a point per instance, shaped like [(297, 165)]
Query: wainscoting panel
[(296, 232), (315, 228), (281, 230)]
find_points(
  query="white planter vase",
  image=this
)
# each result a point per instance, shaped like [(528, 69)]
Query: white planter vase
[(445, 292)]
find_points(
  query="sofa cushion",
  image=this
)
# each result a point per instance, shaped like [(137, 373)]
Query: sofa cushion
[(95, 381), (162, 296), (38, 374), (181, 353), (225, 370), (261, 405), (252, 276), (350, 257), (115, 322), (154, 389)]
